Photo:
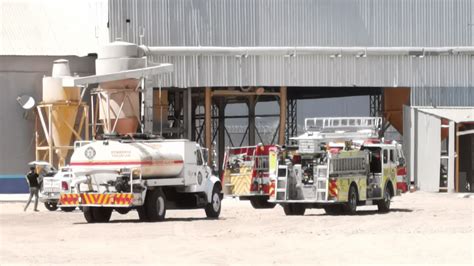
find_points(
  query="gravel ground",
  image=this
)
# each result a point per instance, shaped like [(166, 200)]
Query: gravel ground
[(422, 228)]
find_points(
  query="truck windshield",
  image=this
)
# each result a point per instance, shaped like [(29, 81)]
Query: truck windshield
[(375, 159)]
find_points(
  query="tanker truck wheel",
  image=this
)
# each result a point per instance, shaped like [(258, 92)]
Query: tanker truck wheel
[(292, 209), (51, 206), (97, 214), (213, 209), (67, 209), (122, 210), (261, 203), (155, 205)]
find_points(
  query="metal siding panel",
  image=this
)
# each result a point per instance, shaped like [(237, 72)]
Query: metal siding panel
[(308, 23)]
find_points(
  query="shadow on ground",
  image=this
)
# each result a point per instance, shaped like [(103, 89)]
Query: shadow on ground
[(363, 212), (165, 221)]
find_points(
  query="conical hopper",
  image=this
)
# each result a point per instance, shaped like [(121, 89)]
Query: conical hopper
[(64, 107), (63, 119), (121, 107)]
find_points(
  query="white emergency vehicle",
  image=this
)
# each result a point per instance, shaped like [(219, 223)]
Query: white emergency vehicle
[(148, 175)]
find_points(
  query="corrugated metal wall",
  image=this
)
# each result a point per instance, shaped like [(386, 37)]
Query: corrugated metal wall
[(305, 23)]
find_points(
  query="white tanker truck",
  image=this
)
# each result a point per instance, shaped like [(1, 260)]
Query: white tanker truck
[(148, 175)]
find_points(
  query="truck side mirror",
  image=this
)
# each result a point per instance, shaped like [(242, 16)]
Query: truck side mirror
[(401, 161)]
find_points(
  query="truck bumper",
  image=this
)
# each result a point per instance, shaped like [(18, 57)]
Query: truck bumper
[(50, 197), (116, 200)]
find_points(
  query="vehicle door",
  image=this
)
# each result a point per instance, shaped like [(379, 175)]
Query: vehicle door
[(202, 170), (388, 165), (393, 160)]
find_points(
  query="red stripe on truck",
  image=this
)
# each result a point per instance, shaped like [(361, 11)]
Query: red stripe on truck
[(127, 163)]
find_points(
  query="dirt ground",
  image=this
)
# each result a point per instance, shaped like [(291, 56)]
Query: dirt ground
[(422, 228)]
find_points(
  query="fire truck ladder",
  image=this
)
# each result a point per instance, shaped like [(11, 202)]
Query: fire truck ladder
[(321, 182), (281, 184), (343, 127)]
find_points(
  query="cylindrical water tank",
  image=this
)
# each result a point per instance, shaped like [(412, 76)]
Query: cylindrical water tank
[(153, 160), (119, 100), (63, 106)]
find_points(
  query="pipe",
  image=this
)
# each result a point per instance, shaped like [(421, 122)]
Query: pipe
[(303, 50)]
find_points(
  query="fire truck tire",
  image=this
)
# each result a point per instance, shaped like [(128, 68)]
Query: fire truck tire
[(384, 205), (122, 210), (213, 209), (333, 209), (259, 203), (97, 214), (351, 206), (51, 206), (67, 209), (293, 209), (155, 205)]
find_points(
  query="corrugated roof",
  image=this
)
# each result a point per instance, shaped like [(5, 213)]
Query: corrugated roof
[(329, 23), (52, 27)]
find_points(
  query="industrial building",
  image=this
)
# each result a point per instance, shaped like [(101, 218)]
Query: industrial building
[(413, 59)]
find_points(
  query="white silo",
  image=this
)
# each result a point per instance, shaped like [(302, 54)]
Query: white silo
[(57, 114), (119, 106)]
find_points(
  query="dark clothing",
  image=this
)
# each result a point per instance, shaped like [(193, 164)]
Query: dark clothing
[(33, 179), (33, 192)]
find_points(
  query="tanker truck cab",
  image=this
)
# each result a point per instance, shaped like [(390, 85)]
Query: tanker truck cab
[(149, 176)]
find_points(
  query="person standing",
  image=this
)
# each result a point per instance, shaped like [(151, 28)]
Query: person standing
[(32, 178)]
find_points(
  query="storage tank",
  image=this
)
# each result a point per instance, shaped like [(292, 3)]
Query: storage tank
[(64, 106), (119, 100), (154, 159)]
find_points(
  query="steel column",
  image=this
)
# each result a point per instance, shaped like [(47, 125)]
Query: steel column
[(207, 117), (251, 108), (221, 136), (281, 132), (291, 120)]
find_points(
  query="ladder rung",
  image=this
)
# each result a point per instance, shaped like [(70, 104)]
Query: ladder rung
[(282, 178), (280, 190)]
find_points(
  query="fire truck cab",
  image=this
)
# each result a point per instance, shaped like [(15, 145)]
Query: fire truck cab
[(246, 175), (339, 165)]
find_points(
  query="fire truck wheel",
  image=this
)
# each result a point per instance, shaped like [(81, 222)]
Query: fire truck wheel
[(122, 210), (259, 203), (51, 206), (213, 209), (384, 205), (292, 209), (351, 206), (155, 205), (333, 209), (67, 209)]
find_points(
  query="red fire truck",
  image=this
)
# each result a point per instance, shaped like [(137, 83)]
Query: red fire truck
[(245, 174)]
